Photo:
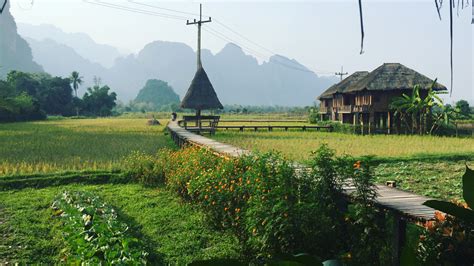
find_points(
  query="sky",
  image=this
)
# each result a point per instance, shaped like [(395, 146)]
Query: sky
[(322, 35)]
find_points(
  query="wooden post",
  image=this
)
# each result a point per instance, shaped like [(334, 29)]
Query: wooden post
[(399, 230), (389, 125)]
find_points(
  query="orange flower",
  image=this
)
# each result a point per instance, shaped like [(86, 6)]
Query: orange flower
[(206, 197), (237, 210), (225, 209), (430, 226), (440, 216), (357, 165), (213, 203)]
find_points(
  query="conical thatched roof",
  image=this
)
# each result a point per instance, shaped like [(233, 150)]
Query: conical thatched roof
[(393, 76), (201, 94), (343, 85)]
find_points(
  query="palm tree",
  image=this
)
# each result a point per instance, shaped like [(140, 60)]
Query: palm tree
[(76, 81)]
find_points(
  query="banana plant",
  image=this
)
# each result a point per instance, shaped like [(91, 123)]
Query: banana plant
[(466, 214)]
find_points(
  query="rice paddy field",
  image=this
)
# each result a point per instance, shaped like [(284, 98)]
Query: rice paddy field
[(75, 144)]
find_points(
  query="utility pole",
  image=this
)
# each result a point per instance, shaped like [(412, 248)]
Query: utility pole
[(342, 73), (199, 23)]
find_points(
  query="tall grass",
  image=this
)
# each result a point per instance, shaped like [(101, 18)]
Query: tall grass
[(75, 144), (297, 145)]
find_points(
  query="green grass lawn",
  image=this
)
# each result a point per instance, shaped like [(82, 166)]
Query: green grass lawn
[(173, 232), (426, 165), (75, 144)]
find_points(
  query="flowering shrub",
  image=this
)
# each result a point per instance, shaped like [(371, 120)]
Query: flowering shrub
[(272, 207), (446, 239)]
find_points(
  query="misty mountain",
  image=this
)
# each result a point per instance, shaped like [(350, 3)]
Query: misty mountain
[(84, 45), (238, 78), (60, 60), (15, 54)]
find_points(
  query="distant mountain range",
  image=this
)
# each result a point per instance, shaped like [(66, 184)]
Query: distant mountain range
[(238, 78), (15, 54), (83, 44)]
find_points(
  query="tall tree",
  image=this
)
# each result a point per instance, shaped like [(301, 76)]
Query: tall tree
[(76, 81)]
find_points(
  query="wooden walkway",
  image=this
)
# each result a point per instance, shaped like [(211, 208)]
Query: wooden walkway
[(404, 206)]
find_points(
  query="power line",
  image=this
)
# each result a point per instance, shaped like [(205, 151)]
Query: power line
[(210, 30), (226, 38), (134, 10), (162, 8)]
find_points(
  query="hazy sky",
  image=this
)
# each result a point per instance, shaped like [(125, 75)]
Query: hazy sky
[(322, 35)]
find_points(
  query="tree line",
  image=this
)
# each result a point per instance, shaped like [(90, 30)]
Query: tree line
[(33, 96)]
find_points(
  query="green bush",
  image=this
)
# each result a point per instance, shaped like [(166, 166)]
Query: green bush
[(274, 208), (94, 233), (145, 168)]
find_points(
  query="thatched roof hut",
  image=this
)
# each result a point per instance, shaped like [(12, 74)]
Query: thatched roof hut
[(392, 76), (343, 85), (201, 94)]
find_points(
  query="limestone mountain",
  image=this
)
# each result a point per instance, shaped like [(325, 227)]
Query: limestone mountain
[(15, 53), (238, 78), (82, 43), (157, 94)]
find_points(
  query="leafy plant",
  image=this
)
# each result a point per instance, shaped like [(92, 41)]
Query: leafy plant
[(93, 231), (450, 237)]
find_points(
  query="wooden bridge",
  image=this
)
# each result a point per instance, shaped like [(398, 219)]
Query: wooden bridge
[(405, 206)]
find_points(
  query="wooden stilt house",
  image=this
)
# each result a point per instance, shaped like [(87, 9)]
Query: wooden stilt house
[(364, 98)]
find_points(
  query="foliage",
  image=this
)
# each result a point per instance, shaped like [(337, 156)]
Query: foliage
[(158, 94), (17, 106), (464, 109), (450, 238), (94, 232), (97, 101), (76, 81), (314, 116), (145, 168), (172, 232), (270, 206), (416, 110), (371, 239)]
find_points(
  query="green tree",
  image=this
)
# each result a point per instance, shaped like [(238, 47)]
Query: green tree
[(76, 81), (98, 101), (415, 110), (464, 108)]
